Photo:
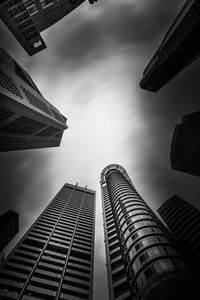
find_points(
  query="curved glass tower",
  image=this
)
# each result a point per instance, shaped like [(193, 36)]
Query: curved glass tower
[(139, 247)]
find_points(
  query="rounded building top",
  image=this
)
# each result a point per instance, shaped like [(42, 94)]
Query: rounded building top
[(113, 168)]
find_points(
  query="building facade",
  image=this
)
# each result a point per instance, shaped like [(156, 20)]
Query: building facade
[(9, 227), (183, 219), (16, 17), (54, 259), (27, 18), (185, 145), (143, 259), (178, 49), (27, 119)]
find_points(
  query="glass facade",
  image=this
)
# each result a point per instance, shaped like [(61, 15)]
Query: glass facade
[(54, 259), (147, 252)]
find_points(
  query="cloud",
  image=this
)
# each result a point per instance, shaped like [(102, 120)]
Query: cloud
[(21, 179), (112, 25)]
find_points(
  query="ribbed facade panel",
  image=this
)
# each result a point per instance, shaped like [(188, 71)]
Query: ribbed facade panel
[(54, 259), (184, 221), (143, 259)]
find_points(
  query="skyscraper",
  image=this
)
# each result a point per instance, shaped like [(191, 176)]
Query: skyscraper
[(54, 259), (185, 145), (27, 120), (18, 20), (140, 247), (26, 18), (9, 227), (178, 49), (184, 221)]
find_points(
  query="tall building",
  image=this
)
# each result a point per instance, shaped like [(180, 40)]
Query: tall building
[(184, 221), (143, 259), (27, 120), (9, 227), (16, 17), (178, 49), (27, 18), (54, 259), (185, 145)]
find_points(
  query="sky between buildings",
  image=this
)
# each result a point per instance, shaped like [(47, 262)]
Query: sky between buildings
[(91, 71)]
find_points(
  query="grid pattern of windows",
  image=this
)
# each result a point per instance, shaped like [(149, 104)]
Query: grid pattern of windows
[(4, 114), (49, 131), (137, 244), (15, 15), (22, 74), (56, 115), (19, 14), (7, 83), (35, 101), (22, 119), (117, 277), (54, 260), (23, 125)]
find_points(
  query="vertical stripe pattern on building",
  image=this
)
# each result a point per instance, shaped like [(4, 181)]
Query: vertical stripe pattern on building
[(54, 259), (139, 247), (184, 221)]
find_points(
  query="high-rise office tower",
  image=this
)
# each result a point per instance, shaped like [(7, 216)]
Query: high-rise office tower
[(184, 221), (140, 247), (18, 20), (26, 18), (27, 120), (185, 145), (54, 259), (9, 227), (178, 49)]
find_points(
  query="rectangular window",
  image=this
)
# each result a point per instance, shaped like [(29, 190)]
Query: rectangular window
[(143, 257), (149, 272)]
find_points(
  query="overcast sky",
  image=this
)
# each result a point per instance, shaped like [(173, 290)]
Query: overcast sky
[(91, 71)]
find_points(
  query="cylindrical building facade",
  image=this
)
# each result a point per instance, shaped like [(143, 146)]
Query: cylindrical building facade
[(154, 264)]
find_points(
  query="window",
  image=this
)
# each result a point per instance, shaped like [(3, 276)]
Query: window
[(35, 101), (149, 272), (7, 82), (136, 235), (23, 125), (167, 265), (143, 257), (138, 246), (131, 228), (4, 114), (129, 222)]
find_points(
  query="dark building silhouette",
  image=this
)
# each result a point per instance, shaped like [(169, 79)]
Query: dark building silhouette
[(27, 120), (144, 261), (54, 259), (178, 49), (27, 18), (9, 227), (184, 221), (18, 20), (185, 145)]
